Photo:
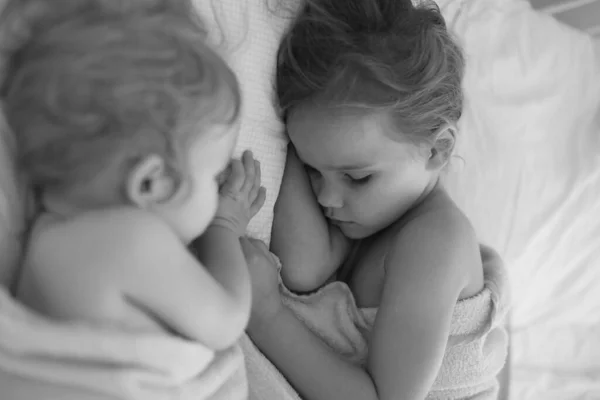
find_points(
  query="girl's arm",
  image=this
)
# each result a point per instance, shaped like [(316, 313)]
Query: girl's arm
[(310, 249), (429, 265), (312, 367), (424, 278)]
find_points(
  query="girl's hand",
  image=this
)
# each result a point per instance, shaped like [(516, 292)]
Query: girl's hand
[(266, 298), (240, 194)]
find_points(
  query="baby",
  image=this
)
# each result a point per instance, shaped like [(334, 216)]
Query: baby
[(371, 94), (124, 120)]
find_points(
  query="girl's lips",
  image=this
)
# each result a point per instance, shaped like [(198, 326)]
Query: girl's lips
[(339, 222)]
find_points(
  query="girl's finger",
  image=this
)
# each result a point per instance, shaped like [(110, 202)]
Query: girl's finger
[(247, 246), (259, 244), (264, 249)]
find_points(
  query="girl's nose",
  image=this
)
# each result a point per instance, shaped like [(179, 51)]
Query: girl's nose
[(328, 197)]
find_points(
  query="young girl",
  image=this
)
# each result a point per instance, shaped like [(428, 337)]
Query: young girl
[(124, 118), (371, 93)]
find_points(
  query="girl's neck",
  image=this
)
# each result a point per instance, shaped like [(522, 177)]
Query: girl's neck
[(433, 189), (428, 198)]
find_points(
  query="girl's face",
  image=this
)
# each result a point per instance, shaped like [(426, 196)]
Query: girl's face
[(363, 180)]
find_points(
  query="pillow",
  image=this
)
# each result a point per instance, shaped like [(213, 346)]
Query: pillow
[(528, 177), (248, 34)]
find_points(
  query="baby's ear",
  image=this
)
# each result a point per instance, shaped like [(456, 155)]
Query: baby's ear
[(149, 182), (442, 147)]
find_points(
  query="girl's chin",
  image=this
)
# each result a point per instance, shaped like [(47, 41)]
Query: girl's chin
[(353, 230)]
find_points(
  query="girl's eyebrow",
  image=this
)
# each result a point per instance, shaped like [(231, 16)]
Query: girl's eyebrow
[(351, 167), (342, 167)]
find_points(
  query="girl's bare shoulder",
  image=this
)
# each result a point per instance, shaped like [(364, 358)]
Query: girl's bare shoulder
[(437, 237)]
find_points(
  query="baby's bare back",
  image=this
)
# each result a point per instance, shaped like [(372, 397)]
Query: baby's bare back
[(71, 273)]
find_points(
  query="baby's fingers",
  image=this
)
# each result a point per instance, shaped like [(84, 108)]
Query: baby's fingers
[(260, 245), (259, 201), (249, 170), (236, 178), (256, 184)]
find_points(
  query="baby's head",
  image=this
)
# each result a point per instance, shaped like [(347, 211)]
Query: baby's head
[(371, 92), (119, 103)]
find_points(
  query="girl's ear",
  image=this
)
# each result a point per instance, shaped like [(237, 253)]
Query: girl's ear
[(149, 183), (442, 147)]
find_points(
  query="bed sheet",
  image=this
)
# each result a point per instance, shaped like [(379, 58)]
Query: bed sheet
[(247, 33), (529, 180)]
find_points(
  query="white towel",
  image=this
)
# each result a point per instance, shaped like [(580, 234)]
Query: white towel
[(475, 354), (70, 358)]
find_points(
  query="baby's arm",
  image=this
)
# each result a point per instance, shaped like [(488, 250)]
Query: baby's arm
[(428, 266), (211, 302), (310, 249), (165, 280)]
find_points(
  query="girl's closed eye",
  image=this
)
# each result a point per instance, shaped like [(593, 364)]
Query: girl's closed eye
[(359, 180)]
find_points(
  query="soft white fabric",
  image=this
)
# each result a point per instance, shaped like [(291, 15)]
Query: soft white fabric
[(474, 355), (529, 180), (111, 363), (248, 33)]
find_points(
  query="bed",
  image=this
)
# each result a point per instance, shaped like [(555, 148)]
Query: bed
[(580, 14), (528, 175)]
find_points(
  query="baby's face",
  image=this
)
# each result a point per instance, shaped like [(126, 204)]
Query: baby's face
[(363, 179), (193, 207)]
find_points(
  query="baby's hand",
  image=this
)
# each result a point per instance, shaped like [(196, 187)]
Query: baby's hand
[(241, 195)]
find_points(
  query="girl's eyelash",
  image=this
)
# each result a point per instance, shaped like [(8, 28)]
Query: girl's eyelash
[(359, 181), (355, 181)]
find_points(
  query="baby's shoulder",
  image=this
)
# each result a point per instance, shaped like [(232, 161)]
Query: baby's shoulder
[(112, 237)]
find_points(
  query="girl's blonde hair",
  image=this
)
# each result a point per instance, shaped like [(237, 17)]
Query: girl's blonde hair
[(374, 55)]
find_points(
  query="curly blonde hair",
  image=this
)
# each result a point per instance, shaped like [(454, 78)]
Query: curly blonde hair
[(88, 83)]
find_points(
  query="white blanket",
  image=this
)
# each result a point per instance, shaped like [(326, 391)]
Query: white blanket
[(42, 359), (475, 353)]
